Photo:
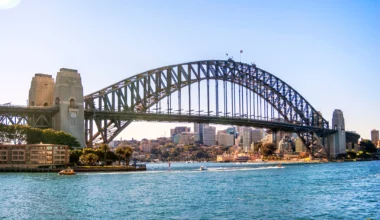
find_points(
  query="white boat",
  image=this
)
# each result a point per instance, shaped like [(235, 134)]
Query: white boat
[(202, 168)]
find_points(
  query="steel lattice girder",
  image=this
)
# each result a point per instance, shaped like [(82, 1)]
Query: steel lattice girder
[(142, 91), (33, 116), (33, 120)]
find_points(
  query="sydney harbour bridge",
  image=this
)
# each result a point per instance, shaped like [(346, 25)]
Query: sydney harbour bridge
[(208, 91)]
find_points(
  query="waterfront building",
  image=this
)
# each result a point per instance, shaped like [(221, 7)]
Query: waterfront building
[(187, 138), (145, 145), (219, 137), (33, 155), (116, 143), (121, 142), (232, 130), (240, 130), (177, 138), (178, 130), (239, 141), (257, 135), (225, 157), (270, 138), (247, 139), (241, 157), (353, 146), (300, 147), (209, 135), (285, 145), (198, 128), (375, 137), (225, 139), (162, 140)]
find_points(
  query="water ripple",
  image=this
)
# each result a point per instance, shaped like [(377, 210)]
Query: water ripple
[(224, 191)]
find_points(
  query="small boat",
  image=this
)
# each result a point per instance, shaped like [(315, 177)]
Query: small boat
[(279, 165), (202, 168), (67, 171)]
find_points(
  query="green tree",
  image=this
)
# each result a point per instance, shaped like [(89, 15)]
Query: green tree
[(367, 146), (351, 155), (75, 155), (34, 136), (13, 133), (268, 149), (225, 148), (120, 152), (174, 152), (155, 151), (88, 150), (128, 151), (201, 154), (257, 146), (23, 133), (111, 156), (104, 148), (169, 145), (89, 158)]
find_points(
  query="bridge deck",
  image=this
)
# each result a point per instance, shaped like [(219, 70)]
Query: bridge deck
[(16, 110), (270, 124)]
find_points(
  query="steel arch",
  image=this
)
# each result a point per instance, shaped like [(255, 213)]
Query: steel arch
[(142, 91)]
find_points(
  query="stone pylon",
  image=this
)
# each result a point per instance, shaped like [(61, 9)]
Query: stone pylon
[(41, 90), (68, 96), (337, 141)]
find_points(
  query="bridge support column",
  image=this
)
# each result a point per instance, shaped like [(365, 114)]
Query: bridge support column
[(68, 95), (337, 141), (274, 137)]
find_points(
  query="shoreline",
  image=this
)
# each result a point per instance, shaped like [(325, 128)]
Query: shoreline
[(76, 169)]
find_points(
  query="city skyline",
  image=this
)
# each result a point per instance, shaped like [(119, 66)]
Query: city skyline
[(327, 51)]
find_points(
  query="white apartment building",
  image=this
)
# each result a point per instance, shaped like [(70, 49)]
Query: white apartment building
[(209, 135), (225, 139)]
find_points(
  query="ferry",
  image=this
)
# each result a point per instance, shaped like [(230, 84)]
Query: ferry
[(67, 171)]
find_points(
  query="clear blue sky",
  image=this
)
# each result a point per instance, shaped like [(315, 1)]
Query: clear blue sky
[(329, 51)]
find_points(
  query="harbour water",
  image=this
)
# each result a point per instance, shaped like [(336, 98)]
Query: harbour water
[(223, 191)]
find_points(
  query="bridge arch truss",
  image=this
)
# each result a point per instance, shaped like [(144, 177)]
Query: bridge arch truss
[(195, 90)]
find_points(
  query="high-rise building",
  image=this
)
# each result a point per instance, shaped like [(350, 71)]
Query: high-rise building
[(225, 138), (240, 130), (231, 130), (209, 135), (145, 145), (300, 147), (247, 137), (219, 137), (257, 135), (198, 128), (375, 136), (285, 145), (178, 130), (187, 138), (177, 138)]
